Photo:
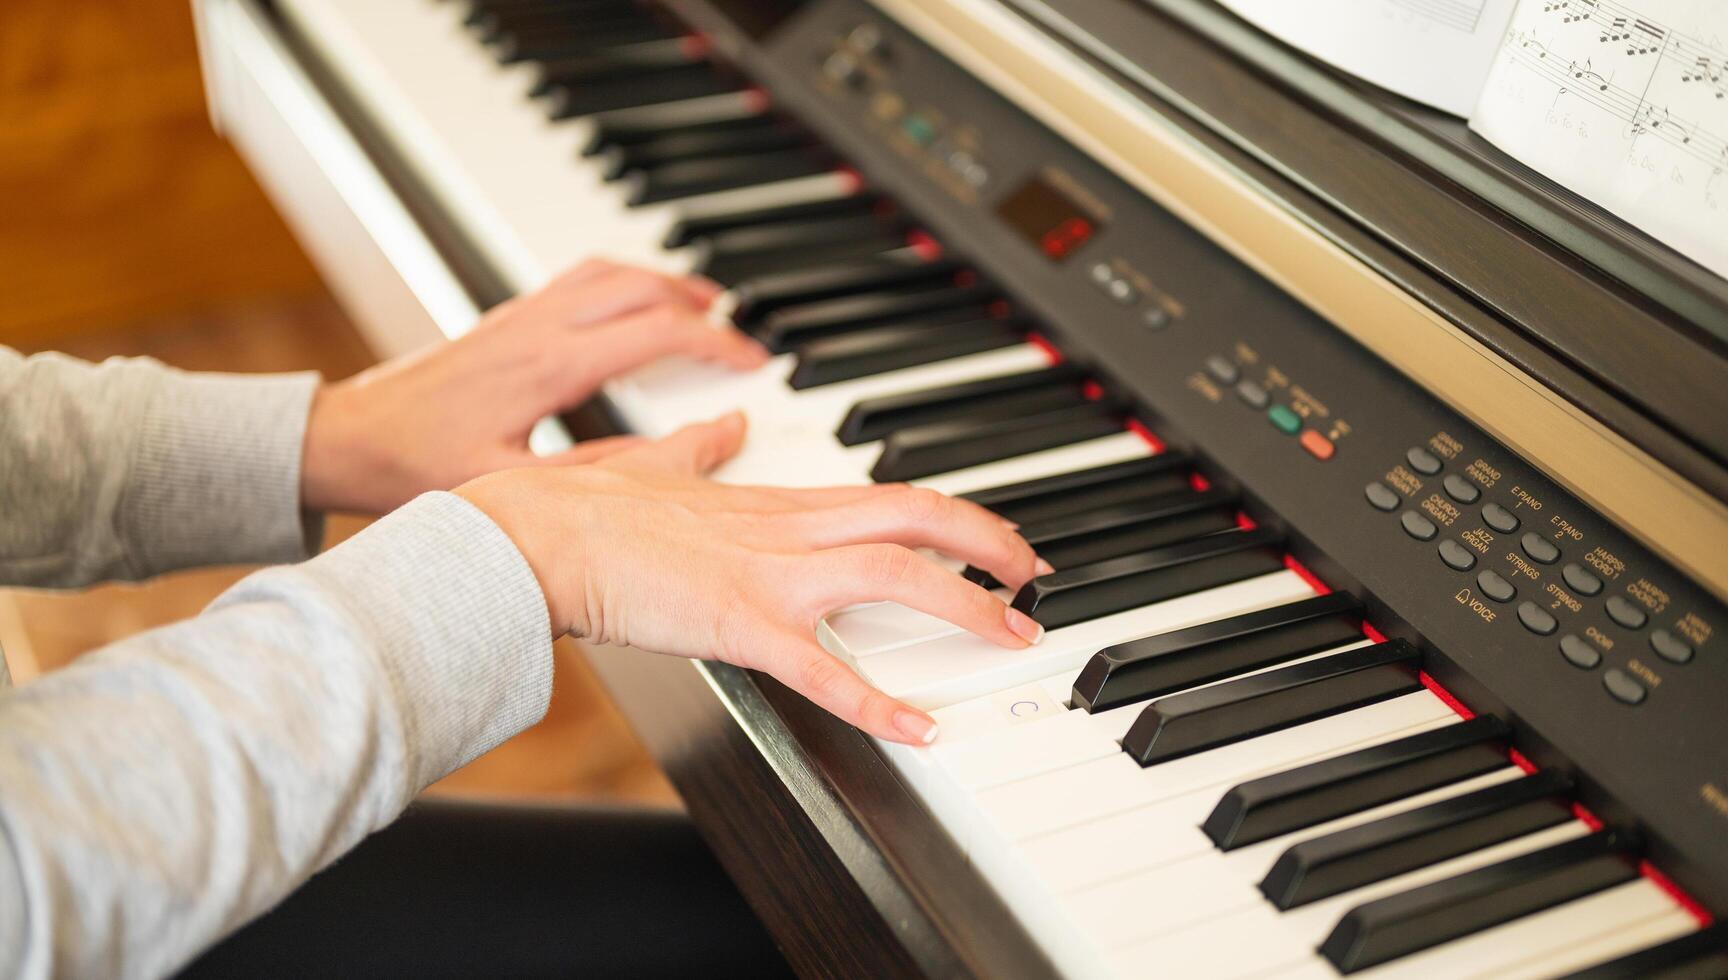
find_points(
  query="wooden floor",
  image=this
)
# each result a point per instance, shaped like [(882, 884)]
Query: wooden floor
[(583, 749)]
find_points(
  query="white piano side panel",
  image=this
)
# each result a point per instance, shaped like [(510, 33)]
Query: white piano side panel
[(372, 254)]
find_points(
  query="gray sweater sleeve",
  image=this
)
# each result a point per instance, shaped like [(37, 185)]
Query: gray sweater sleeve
[(128, 469), (158, 794)]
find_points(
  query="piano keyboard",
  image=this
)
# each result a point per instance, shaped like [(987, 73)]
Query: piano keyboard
[(1211, 766)]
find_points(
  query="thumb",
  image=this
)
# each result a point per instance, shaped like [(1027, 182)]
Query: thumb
[(591, 451), (694, 449)]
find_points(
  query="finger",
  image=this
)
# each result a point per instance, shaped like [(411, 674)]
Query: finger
[(871, 572), (618, 290), (916, 517), (591, 451), (694, 449), (802, 665), (828, 496), (632, 341)]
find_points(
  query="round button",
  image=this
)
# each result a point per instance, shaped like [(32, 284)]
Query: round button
[(1255, 396), (1623, 686), (1417, 526), (1423, 461), (1495, 586), (1581, 580), (1221, 368), (1540, 548), (1579, 653), (1625, 613), (1670, 647), (1456, 555), (1499, 518), (1536, 619), (1460, 489), (1381, 496)]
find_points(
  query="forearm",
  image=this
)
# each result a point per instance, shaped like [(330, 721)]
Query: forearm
[(128, 468), (164, 791)]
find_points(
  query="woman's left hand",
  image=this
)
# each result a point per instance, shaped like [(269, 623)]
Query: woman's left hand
[(436, 419)]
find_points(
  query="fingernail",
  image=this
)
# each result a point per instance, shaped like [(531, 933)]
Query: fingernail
[(919, 728), (1024, 626), (1044, 568), (1010, 525)]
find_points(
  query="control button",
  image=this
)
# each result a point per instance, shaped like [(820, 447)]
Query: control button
[(1625, 613), (1536, 619), (1495, 586), (1423, 461), (1284, 419), (1417, 526), (1155, 318), (1122, 292), (918, 130), (865, 38), (1579, 654), (1579, 580), (1540, 548), (1220, 367), (1102, 274), (1456, 555), (1381, 496), (1254, 395), (842, 68), (1318, 446), (1460, 489), (1670, 647), (1499, 518), (1623, 686)]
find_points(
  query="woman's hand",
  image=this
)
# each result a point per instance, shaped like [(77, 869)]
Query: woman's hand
[(435, 419), (639, 549)]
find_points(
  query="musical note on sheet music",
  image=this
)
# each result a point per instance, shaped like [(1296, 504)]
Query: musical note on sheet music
[(1626, 103)]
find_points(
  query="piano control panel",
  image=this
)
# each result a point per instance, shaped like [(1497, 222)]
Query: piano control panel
[(1528, 605)]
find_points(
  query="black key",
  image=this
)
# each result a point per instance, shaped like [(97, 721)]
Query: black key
[(787, 328), (688, 230), (533, 46), (894, 348), (614, 63), (1272, 806), (643, 89), (1398, 925), (1194, 721), (688, 178), (1005, 396), (769, 133), (1335, 863), (942, 447), (1078, 594), (759, 298), (555, 22), (1701, 955), (1124, 529), (1153, 666), (1086, 490), (644, 124), (750, 252)]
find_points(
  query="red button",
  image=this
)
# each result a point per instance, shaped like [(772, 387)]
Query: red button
[(1317, 445)]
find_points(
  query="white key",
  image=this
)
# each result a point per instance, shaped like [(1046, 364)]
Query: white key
[(1130, 844), (1021, 751), (1119, 448), (1087, 792), (878, 627), (1208, 882), (954, 668), (1606, 947), (1535, 940), (1284, 941)]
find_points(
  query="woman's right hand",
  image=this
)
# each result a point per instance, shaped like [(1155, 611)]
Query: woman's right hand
[(641, 549)]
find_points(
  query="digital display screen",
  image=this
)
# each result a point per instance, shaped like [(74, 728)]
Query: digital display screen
[(758, 18), (1047, 218)]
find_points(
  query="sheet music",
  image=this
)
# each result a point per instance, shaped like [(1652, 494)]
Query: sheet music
[(1433, 51), (1626, 103)]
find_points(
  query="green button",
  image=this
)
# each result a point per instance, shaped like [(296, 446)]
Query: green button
[(1288, 422), (919, 129)]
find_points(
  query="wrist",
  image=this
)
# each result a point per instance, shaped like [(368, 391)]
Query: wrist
[(541, 529), (332, 464)]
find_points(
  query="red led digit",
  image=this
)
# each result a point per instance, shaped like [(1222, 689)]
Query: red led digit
[(1066, 237)]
